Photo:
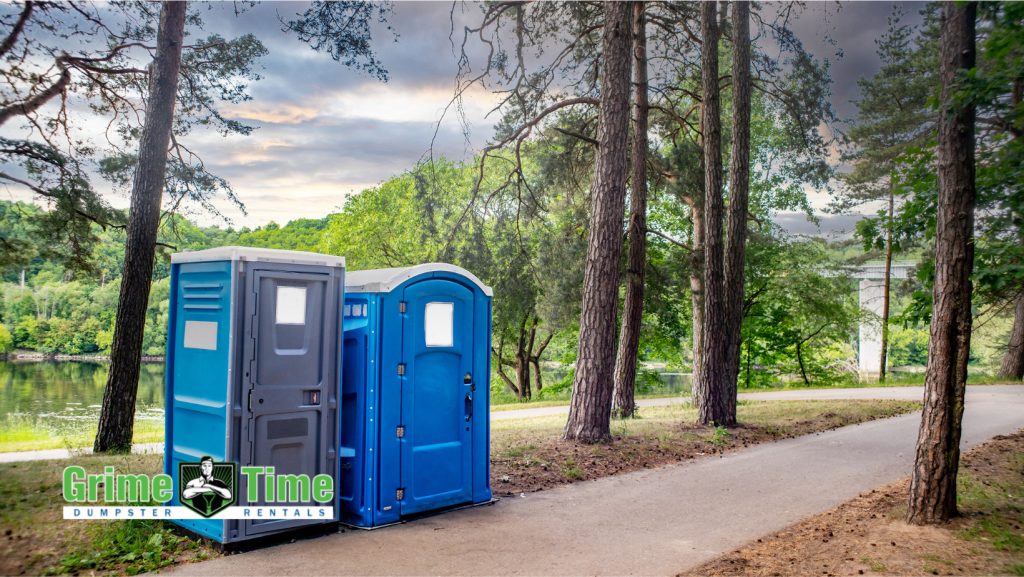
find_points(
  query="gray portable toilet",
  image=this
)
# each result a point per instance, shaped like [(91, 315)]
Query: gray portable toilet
[(252, 375)]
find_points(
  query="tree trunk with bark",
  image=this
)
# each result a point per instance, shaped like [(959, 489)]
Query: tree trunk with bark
[(590, 408), (885, 291), (1012, 366), (710, 395), (535, 360), (739, 197), (933, 484), (697, 280), (522, 360), (636, 260), (117, 416), (522, 369)]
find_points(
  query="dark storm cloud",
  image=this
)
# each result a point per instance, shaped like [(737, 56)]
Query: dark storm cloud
[(853, 27)]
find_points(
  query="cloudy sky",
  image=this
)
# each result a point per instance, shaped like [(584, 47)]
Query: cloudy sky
[(325, 131)]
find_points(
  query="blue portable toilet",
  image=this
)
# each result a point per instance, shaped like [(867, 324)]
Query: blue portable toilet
[(252, 371), (415, 433)]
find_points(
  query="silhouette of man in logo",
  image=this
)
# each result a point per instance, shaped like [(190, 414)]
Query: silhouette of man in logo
[(205, 491)]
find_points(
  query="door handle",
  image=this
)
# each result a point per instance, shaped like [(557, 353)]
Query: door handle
[(469, 407)]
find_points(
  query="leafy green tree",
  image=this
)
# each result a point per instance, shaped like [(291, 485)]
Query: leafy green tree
[(6, 340), (801, 314)]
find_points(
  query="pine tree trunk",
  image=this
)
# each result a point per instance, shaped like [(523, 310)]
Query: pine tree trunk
[(933, 484), (697, 284), (117, 416), (885, 291), (710, 393), (590, 408), (1012, 366), (739, 198), (636, 260)]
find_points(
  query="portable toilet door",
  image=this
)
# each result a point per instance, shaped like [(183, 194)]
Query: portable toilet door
[(290, 377), (437, 394), (428, 334)]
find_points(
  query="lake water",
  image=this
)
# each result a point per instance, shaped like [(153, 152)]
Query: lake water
[(64, 398)]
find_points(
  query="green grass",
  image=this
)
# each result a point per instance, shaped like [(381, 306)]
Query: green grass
[(31, 515), (571, 471), (997, 508), (497, 408), (875, 566), (720, 437), (780, 415), (131, 547), (891, 380), (34, 434)]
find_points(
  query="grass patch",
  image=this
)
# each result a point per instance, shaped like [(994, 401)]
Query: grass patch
[(875, 566), (783, 416), (571, 471), (38, 433), (129, 547), (37, 540), (500, 407), (720, 436), (994, 505)]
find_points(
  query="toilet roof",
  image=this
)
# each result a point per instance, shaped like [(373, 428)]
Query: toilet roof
[(382, 280), (257, 254)]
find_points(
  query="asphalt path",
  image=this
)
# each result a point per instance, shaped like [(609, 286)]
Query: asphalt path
[(652, 522)]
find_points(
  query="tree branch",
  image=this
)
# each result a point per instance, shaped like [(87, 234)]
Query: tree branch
[(34, 103), (582, 137), (681, 245), (26, 12)]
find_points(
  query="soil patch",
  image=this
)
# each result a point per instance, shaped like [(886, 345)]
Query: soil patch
[(867, 535)]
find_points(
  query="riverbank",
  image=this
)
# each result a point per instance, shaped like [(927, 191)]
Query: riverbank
[(30, 356)]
